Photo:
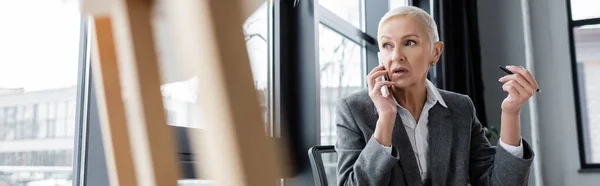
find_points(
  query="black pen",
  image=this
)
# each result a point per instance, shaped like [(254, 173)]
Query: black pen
[(509, 72)]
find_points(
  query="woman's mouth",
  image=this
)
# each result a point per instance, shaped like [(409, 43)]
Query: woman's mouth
[(399, 72)]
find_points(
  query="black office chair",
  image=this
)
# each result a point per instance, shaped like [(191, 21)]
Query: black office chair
[(323, 160)]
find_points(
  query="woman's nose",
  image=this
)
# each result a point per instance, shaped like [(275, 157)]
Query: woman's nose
[(397, 57)]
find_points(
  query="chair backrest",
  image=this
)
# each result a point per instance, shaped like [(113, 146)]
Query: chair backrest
[(323, 160)]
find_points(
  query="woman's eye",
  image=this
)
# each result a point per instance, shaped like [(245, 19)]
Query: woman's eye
[(410, 43), (387, 46)]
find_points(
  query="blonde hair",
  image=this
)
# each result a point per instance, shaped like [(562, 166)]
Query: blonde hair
[(414, 12)]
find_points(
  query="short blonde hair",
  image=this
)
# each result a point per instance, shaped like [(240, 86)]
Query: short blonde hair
[(414, 12)]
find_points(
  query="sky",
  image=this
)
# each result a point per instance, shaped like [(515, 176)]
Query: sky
[(39, 44)]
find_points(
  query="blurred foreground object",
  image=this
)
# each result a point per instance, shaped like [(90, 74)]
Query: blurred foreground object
[(205, 34)]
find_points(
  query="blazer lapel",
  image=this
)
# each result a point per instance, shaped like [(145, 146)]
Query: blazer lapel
[(408, 161), (440, 143)]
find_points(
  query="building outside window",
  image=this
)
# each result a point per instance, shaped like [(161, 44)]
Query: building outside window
[(39, 61)]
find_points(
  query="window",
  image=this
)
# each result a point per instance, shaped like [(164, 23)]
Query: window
[(584, 9), (585, 44), (397, 3), (349, 10), (39, 60), (341, 74), (341, 69), (258, 42), (37, 158)]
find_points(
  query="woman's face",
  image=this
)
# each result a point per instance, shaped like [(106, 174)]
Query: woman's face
[(406, 50)]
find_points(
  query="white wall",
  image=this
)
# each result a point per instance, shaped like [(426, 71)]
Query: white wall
[(556, 105), (501, 37), (502, 43)]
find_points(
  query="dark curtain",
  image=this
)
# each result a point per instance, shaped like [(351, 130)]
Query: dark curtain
[(459, 69)]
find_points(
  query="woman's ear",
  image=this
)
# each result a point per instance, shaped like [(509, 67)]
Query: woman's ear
[(438, 47)]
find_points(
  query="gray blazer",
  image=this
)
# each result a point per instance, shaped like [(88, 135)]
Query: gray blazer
[(459, 152)]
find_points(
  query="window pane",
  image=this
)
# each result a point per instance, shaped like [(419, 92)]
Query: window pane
[(256, 34), (397, 3), (39, 53), (341, 74), (349, 10), (587, 43), (584, 9), (180, 97)]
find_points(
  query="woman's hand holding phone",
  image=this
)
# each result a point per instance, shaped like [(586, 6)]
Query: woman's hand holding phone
[(385, 105), (385, 92)]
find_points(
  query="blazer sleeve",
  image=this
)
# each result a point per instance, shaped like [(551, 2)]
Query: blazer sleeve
[(360, 161), (492, 166)]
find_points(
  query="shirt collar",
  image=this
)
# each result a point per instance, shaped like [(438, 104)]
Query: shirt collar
[(433, 95)]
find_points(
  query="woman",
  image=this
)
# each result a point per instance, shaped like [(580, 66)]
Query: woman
[(418, 134)]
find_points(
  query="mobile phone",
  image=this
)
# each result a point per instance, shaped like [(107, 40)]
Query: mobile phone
[(384, 90)]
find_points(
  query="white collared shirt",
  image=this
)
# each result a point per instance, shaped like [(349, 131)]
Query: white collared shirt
[(418, 133)]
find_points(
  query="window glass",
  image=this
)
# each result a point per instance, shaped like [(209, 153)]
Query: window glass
[(585, 9), (256, 34), (397, 3), (341, 64), (587, 45), (61, 114), (51, 120), (39, 53), (349, 10), (42, 119)]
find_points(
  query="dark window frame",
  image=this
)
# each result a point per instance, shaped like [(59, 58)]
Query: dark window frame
[(579, 92), (82, 109)]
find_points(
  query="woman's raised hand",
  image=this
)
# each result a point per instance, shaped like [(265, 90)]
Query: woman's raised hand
[(520, 85), (386, 106)]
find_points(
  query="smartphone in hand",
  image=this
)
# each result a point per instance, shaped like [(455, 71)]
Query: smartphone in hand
[(384, 90)]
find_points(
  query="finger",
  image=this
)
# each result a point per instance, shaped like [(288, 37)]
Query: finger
[(377, 80), (380, 84), (378, 68), (527, 86), (520, 80), (520, 89), (512, 92), (374, 77), (525, 73), (370, 83)]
